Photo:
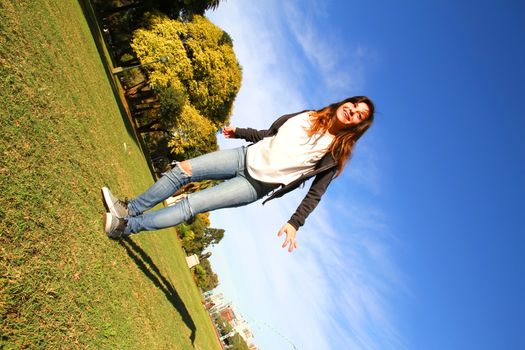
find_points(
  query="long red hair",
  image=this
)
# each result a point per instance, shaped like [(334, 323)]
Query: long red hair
[(344, 142)]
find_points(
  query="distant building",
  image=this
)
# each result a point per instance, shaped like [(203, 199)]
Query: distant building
[(228, 315), (218, 306), (192, 260)]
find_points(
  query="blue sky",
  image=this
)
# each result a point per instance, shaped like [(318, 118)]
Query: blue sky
[(419, 244)]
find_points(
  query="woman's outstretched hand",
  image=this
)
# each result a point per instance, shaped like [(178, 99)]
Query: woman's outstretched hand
[(229, 132), (290, 240)]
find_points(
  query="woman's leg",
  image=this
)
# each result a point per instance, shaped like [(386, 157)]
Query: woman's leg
[(230, 193), (220, 165)]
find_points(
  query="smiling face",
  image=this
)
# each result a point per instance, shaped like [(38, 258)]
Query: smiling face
[(352, 113)]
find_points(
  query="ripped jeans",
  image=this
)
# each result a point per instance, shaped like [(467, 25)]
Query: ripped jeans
[(237, 189)]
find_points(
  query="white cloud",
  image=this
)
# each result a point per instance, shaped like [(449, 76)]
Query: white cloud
[(262, 52), (340, 64), (334, 290)]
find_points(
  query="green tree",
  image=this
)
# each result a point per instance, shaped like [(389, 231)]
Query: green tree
[(186, 235), (159, 111), (205, 278), (202, 239), (199, 6), (197, 236), (172, 8), (189, 8), (201, 59), (238, 343), (223, 325), (211, 236)]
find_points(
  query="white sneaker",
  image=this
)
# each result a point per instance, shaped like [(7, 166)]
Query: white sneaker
[(114, 205), (114, 226)]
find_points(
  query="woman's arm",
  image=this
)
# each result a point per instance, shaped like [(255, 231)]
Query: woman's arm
[(307, 205), (229, 132), (312, 198), (290, 240), (254, 135), (249, 134)]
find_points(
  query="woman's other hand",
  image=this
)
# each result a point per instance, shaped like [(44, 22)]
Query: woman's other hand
[(290, 240), (229, 132)]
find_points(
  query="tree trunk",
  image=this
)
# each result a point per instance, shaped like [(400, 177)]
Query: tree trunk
[(146, 106), (133, 90), (150, 100), (150, 127)]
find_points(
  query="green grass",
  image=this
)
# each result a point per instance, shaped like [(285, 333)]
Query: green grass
[(63, 284)]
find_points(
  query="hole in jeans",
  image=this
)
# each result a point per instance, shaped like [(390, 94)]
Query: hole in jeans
[(186, 167)]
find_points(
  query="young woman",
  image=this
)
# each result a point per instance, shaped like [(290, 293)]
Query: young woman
[(294, 149)]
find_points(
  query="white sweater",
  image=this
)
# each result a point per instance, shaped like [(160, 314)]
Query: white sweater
[(285, 156)]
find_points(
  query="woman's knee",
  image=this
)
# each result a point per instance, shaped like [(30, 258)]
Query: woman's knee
[(186, 167)]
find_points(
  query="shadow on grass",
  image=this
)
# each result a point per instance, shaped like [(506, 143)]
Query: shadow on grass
[(148, 267)]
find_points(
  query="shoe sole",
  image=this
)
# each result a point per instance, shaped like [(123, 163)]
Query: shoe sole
[(107, 201), (108, 222), (107, 227)]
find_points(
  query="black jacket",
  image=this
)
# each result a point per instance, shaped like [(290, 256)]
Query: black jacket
[(324, 171)]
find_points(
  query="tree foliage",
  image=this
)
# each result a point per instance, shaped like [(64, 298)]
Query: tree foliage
[(172, 8), (201, 58), (238, 343), (223, 325), (163, 37), (192, 134), (205, 277), (197, 236), (216, 72), (160, 111), (171, 100)]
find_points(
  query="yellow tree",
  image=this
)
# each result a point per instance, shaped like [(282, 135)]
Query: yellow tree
[(192, 134), (162, 37), (201, 59), (216, 71)]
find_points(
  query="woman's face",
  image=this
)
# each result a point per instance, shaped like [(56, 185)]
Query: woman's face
[(352, 113)]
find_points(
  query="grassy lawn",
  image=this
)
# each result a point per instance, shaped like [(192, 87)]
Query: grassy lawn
[(63, 284)]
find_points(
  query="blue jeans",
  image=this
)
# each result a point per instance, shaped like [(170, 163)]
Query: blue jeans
[(237, 189)]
